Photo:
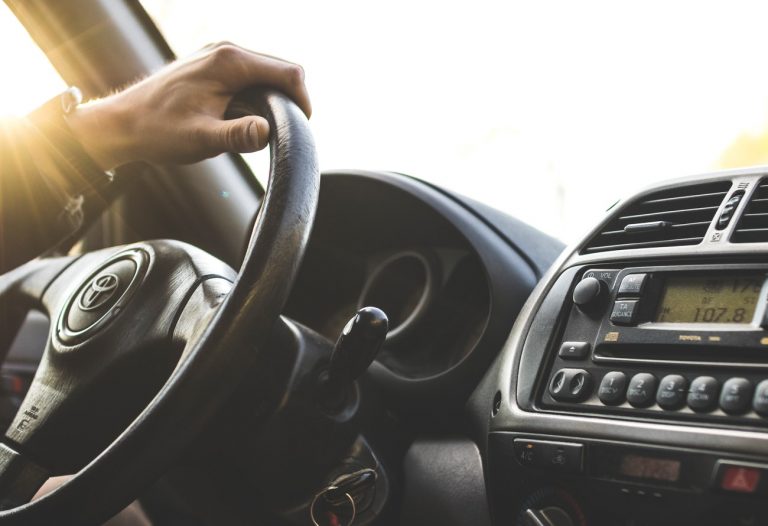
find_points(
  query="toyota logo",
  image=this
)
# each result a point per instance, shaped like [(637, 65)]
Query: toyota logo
[(99, 291), (101, 296)]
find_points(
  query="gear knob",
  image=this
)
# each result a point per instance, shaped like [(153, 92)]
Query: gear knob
[(359, 343)]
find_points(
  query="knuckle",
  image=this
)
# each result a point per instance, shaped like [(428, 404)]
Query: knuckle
[(295, 75), (225, 54), (210, 46)]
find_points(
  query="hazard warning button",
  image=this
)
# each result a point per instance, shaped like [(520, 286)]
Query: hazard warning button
[(738, 478)]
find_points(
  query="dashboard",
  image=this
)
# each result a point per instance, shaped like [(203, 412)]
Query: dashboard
[(620, 382), (633, 389), (451, 274), (448, 281)]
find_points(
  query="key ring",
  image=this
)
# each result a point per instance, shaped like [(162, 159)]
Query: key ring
[(322, 493)]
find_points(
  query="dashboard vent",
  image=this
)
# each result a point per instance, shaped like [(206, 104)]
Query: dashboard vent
[(753, 224), (673, 217)]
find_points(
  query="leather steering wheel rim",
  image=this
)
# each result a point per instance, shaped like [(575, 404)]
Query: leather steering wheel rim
[(231, 343)]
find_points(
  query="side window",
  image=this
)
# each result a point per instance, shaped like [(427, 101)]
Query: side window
[(28, 78)]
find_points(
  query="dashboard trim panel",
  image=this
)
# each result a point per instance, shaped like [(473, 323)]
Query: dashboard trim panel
[(516, 370)]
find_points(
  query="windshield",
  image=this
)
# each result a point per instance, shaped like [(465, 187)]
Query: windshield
[(549, 111), (29, 78)]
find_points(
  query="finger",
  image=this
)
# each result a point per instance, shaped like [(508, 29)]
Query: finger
[(285, 76), (243, 135), (238, 68), (266, 55), (50, 485), (214, 45)]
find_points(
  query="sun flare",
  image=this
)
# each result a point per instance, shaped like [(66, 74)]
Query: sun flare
[(28, 79)]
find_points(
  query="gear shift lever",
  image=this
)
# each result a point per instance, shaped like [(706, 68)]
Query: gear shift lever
[(359, 343)]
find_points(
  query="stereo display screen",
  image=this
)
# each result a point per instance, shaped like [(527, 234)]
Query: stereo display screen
[(643, 467), (710, 299)]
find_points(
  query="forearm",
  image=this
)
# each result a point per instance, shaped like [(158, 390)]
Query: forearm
[(48, 186), (52, 167), (33, 214), (103, 128)]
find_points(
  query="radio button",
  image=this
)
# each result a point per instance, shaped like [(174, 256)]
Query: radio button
[(570, 385), (642, 390), (632, 284), (736, 395), (613, 388), (672, 392), (624, 312), (702, 396), (574, 350), (760, 402)]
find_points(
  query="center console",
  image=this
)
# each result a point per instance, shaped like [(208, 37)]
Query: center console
[(634, 387), (683, 342)]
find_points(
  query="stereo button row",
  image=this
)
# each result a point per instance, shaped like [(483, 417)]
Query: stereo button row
[(673, 392)]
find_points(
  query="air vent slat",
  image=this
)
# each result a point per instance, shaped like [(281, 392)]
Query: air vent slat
[(673, 217), (639, 218), (753, 224), (683, 198), (704, 224), (647, 244), (755, 230)]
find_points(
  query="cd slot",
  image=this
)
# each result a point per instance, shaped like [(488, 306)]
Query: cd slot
[(677, 354)]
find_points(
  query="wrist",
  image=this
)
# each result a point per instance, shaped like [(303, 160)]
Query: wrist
[(102, 128)]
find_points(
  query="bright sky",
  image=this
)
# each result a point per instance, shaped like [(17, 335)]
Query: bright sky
[(548, 110), (28, 79)]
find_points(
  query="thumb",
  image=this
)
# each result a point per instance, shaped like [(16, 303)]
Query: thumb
[(243, 135)]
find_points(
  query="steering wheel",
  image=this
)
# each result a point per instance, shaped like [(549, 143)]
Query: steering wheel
[(148, 342)]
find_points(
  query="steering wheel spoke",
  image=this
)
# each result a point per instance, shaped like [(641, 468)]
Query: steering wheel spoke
[(32, 279), (198, 311), (21, 290), (109, 350), (20, 478)]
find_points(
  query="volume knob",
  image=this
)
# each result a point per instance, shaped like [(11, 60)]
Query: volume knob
[(589, 294)]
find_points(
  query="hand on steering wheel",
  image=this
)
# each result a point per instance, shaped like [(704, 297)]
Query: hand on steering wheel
[(147, 342), (177, 114)]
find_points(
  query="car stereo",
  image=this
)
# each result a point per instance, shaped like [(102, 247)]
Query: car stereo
[(687, 341)]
